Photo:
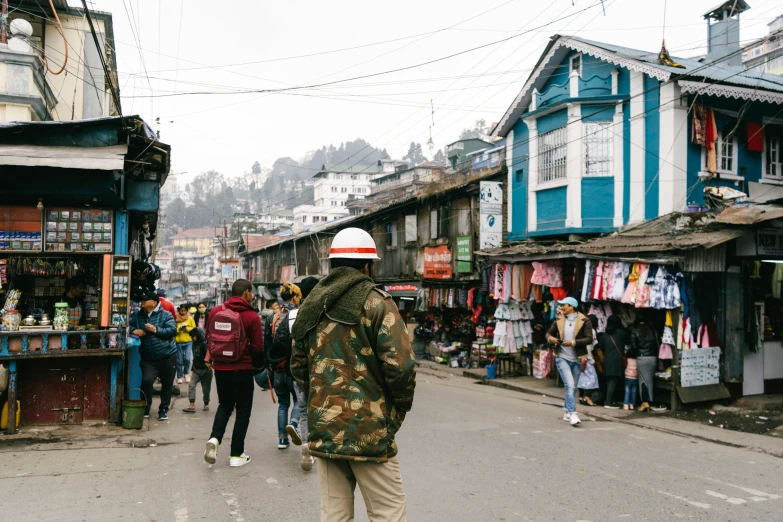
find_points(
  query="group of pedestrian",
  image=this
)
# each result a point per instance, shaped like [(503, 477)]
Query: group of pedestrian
[(625, 360), (339, 355)]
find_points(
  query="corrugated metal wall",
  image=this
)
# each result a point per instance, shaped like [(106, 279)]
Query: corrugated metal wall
[(706, 259)]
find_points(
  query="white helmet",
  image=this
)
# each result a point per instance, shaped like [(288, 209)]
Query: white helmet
[(353, 243)]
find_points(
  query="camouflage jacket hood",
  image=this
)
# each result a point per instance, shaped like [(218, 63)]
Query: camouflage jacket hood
[(353, 357), (340, 295)]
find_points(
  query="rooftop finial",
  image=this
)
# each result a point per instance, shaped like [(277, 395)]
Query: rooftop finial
[(665, 59)]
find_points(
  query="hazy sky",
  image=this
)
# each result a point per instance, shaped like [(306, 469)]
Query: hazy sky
[(196, 46)]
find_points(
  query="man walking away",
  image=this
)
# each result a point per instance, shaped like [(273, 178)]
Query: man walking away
[(277, 337), (353, 357), (298, 433), (571, 334), (234, 338), (202, 371), (156, 329)]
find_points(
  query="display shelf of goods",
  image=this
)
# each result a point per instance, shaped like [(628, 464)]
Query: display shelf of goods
[(78, 230), (20, 229)]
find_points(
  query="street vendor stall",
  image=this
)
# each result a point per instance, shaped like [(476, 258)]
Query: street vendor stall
[(78, 211)]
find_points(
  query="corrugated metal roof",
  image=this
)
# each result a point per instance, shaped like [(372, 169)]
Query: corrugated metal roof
[(671, 233), (749, 215), (716, 73)]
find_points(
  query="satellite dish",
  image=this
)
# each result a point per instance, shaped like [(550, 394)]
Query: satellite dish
[(21, 27)]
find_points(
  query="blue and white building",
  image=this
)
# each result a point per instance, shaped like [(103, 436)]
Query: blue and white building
[(600, 136)]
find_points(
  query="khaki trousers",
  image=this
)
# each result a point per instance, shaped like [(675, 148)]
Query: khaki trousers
[(380, 484)]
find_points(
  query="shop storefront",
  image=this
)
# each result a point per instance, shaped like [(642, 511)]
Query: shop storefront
[(71, 243)]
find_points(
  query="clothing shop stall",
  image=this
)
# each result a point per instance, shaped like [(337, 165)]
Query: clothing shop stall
[(651, 292), (758, 271)]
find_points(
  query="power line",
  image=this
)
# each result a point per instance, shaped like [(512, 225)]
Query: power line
[(114, 93)]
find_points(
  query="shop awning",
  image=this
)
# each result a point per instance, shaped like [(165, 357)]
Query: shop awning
[(93, 158), (264, 293), (661, 240)]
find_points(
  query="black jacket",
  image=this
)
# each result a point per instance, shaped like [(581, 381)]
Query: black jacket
[(613, 357), (159, 345), (199, 349), (279, 353), (644, 341)]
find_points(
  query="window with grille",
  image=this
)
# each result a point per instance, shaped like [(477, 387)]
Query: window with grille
[(773, 165), (552, 155), (598, 149)]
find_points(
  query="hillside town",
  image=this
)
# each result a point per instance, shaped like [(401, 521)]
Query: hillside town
[(598, 241)]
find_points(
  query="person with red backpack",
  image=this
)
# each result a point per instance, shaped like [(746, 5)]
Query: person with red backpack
[(234, 340)]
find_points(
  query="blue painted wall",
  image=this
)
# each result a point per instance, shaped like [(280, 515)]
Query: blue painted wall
[(550, 122), (551, 208), (519, 182), (624, 87), (556, 87), (592, 66), (652, 139), (598, 113), (121, 232), (597, 202)]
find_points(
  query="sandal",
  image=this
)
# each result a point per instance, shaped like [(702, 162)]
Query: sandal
[(189, 410), (589, 401)]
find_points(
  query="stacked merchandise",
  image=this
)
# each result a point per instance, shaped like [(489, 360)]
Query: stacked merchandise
[(642, 285)]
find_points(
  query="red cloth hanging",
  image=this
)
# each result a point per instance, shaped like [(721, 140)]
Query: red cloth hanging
[(755, 136), (558, 293)]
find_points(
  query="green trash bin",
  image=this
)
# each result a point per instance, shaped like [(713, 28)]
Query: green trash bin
[(133, 414)]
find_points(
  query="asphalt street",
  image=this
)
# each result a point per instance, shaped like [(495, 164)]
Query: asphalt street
[(467, 452)]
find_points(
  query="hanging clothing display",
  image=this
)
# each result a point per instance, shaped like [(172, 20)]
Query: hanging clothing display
[(755, 132), (711, 137), (548, 273)]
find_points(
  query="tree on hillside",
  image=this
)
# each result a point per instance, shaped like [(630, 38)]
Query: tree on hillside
[(440, 157), (415, 155), (478, 130)]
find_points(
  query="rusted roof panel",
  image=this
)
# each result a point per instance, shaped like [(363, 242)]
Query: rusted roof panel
[(750, 215)]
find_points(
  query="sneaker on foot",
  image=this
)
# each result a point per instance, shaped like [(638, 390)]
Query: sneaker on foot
[(575, 419), (659, 407), (179, 381), (163, 416), (307, 459), (210, 455), (241, 460), (206, 407), (283, 444), (146, 415), (567, 417), (612, 406), (293, 431), (187, 378), (189, 409)]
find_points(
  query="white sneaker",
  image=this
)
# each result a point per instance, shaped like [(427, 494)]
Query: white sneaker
[(575, 419), (307, 459), (187, 378), (241, 460), (210, 455), (567, 417), (179, 381)]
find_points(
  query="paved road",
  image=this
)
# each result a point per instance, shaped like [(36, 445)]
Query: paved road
[(468, 452)]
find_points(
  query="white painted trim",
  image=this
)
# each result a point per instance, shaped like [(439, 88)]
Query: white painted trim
[(636, 210), (574, 166), (615, 81), (510, 182), (533, 101), (532, 174), (571, 65), (573, 84), (617, 162), (728, 177), (562, 182), (769, 181), (724, 174), (672, 151), (730, 91)]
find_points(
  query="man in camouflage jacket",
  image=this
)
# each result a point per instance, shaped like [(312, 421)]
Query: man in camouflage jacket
[(352, 355)]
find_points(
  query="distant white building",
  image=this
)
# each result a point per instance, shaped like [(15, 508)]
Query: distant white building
[(332, 189)]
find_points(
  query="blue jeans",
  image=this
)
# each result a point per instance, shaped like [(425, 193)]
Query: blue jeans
[(630, 391), (284, 389), (184, 356), (569, 372)]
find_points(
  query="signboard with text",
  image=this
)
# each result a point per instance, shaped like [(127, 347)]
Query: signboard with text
[(464, 255), (490, 214), (437, 263)]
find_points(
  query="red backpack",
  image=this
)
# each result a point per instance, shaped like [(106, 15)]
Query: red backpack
[(227, 340)]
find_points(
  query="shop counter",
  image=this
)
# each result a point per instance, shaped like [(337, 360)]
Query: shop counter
[(42, 345), (54, 343)]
